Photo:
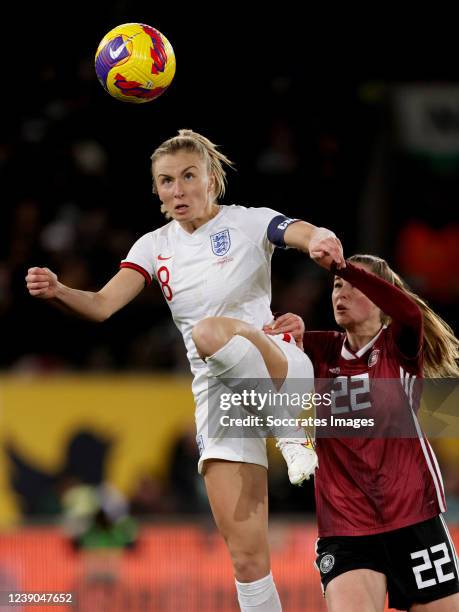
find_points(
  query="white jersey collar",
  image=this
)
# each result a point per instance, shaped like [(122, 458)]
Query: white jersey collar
[(203, 229), (348, 355)]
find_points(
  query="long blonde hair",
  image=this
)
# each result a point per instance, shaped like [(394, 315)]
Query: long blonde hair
[(187, 140), (440, 346)]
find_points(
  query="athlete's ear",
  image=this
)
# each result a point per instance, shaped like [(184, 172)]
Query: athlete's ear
[(211, 184)]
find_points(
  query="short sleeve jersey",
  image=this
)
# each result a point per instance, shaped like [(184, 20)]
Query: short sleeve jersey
[(222, 269)]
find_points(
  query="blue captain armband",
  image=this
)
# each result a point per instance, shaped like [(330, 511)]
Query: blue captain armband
[(276, 230)]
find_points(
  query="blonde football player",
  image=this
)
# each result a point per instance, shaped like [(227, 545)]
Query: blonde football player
[(212, 263)]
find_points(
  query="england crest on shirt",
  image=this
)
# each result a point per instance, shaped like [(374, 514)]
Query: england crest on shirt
[(220, 242)]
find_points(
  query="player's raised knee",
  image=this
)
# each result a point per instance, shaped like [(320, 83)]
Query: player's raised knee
[(212, 333), (207, 336)]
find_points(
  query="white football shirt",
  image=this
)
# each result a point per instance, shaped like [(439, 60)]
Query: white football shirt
[(222, 269)]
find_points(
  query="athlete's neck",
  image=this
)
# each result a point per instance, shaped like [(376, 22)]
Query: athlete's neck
[(361, 335), (194, 224)]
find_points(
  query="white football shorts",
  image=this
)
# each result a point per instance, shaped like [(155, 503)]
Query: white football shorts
[(248, 450)]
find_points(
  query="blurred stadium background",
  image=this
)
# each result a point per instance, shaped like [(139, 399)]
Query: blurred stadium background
[(98, 488)]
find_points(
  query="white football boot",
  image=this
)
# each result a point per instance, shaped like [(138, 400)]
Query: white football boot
[(300, 456)]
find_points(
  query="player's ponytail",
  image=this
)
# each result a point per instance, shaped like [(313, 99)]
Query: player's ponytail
[(441, 347), (187, 140)]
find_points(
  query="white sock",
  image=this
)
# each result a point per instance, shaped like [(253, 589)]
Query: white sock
[(258, 596), (238, 358), (241, 366)]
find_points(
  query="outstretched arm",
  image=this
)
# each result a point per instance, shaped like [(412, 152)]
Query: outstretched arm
[(96, 306), (407, 317), (321, 243)]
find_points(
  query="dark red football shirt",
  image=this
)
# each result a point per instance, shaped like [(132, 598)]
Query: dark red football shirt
[(368, 485)]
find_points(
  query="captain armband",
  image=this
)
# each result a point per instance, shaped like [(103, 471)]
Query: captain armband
[(276, 230)]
